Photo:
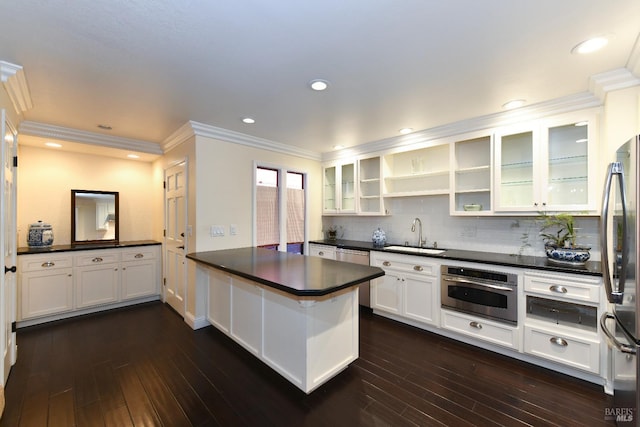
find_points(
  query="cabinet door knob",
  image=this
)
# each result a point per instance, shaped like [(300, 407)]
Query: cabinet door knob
[(475, 324), (321, 253), (558, 289), (48, 264), (10, 269), (558, 341), (386, 263), (418, 268), (97, 259)]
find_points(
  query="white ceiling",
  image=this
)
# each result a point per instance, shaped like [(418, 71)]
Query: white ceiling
[(146, 67)]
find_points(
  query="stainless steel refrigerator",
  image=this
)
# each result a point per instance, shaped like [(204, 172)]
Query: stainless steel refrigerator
[(619, 246)]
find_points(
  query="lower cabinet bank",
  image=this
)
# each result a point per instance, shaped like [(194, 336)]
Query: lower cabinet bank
[(61, 284), (557, 313)]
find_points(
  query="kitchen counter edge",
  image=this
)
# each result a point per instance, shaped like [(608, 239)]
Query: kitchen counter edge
[(87, 247), (591, 268)]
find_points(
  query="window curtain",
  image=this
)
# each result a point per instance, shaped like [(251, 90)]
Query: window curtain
[(268, 227), (295, 215)]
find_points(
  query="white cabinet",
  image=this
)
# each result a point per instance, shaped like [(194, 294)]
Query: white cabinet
[(482, 329), (561, 322), (322, 251), (471, 176), (370, 201), (139, 272), (59, 284), (45, 285), (339, 188), (420, 172), (547, 165), (409, 287), (97, 278)]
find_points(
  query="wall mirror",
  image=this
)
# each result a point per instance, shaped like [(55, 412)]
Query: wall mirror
[(94, 217)]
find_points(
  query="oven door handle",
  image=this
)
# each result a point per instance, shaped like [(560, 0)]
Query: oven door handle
[(484, 285)]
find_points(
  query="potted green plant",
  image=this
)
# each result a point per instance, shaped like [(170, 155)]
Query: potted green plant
[(559, 234)]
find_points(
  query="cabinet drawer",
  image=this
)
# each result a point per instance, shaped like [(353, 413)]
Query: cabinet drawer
[(405, 263), (564, 287), (486, 330), (139, 254), (45, 262), (563, 346), (97, 258)]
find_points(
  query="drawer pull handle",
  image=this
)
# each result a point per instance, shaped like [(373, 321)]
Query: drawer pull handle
[(97, 259), (418, 268), (139, 256), (48, 264), (386, 263), (321, 253), (558, 289), (558, 341), (475, 324)]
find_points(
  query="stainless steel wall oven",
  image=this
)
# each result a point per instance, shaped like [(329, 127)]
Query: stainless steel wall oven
[(490, 294)]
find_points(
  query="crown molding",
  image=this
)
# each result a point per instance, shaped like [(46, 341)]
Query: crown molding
[(620, 78), (74, 135), (15, 83), (634, 58), (532, 112), (192, 128)]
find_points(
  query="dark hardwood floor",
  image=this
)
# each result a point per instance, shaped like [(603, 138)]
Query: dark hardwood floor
[(144, 366)]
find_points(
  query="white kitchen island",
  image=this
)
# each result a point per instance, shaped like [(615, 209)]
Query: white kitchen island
[(297, 314)]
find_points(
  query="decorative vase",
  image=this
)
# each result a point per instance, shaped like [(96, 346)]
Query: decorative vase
[(575, 256), (379, 238), (40, 235)]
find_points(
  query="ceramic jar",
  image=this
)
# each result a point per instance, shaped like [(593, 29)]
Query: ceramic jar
[(40, 234), (379, 238)]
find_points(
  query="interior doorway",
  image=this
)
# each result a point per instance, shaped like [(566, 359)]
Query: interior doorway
[(175, 241)]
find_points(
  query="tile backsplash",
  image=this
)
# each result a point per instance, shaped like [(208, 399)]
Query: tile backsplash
[(478, 233)]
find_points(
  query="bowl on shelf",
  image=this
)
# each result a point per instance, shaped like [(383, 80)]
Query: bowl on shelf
[(472, 207)]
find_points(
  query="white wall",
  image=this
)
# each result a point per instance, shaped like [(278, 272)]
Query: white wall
[(46, 178)]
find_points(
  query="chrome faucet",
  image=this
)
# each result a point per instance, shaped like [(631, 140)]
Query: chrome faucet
[(421, 241)]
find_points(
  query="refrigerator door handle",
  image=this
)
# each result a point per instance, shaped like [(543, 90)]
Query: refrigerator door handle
[(613, 295), (625, 348)]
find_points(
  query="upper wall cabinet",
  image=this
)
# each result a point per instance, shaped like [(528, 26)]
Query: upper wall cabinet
[(547, 166), (420, 172), (370, 200), (471, 174), (339, 189)]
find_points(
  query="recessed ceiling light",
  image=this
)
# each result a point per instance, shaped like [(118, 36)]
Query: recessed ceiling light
[(318, 84), (591, 45), (133, 156), (338, 146), (516, 103), (248, 120), (405, 131), (105, 127), (53, 144)]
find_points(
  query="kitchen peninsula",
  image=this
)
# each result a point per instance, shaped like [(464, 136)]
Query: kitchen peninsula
[(297, 314)]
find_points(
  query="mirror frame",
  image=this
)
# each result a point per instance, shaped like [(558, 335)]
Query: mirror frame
[(116, 238)]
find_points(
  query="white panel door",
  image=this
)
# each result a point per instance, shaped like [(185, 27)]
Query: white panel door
[(8, 247), (175, 242)]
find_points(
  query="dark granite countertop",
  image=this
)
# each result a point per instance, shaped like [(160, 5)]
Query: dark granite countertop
[(591, 268), (87, 247), (295, 274)]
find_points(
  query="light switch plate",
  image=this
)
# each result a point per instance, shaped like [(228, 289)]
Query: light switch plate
[(233, 229), (217, 230)]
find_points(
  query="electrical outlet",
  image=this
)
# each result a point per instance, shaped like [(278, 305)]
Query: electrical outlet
[(233, 229)]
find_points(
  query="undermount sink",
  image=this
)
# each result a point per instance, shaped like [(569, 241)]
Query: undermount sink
[(415, 250)]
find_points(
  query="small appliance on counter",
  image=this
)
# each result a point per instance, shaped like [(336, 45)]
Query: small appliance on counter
[(40, 235)]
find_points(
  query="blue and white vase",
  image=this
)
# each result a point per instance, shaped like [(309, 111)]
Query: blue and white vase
[(379, 238), (575, 255), (40, 235)]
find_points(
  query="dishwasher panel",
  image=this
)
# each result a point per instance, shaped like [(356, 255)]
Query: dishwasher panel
[(357, 257)]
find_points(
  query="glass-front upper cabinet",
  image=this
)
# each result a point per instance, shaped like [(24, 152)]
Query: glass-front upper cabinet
[(370, 201), (339, 189), (548, 167), (471, 176)]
